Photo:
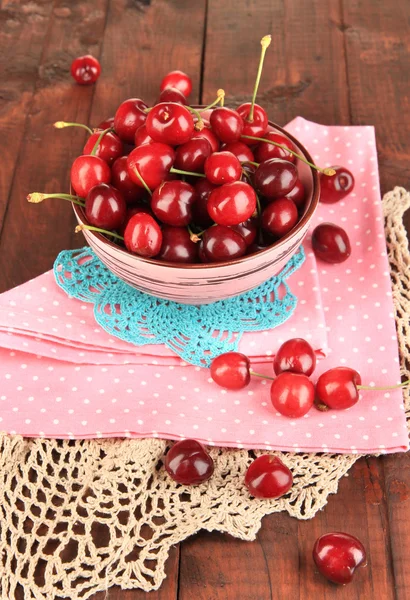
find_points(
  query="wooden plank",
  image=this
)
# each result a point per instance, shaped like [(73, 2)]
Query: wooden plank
[(23, 29)]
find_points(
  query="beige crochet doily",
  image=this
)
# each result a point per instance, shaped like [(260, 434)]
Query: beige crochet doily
[(80, 516)]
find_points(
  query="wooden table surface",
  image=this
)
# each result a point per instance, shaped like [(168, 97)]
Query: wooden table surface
[(332, 61)]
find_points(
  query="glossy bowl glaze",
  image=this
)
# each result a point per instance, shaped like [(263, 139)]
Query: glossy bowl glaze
[(203, 283)]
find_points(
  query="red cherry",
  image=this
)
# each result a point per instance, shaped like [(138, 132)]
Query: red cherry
[(292, 394), (201, 253), (178, 80), (200, 214), (222, 167), (88, 171), (153, 162), (192, 155), (248, 171), (171, 94), (105, 207), (256, 247), (232, 203), (170, 123), (331, 243), (242, 152), (188, 463), (337, 388), (221, 243), (231, 370), (227, 124), (279, 217), (275, 177), (268, 477), (172, 202), (297, 194), (123, 182), (109, 122), (177, 246), (143, 235), (109, 148), (265, 151), (141, 136), (295, 355), (131, 211), (85, 69), (209, 135), (337, 555), (129, 116), (259, 125), (248, 230), (335, 187)]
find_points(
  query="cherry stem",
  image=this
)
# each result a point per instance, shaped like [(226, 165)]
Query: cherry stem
[(37, 197), (63, 125), (328, 171), (138, 174), (220, 96), (195, 237), (172, 170), (250, 162), (104, 231), (262, 376), (100, 137), (199, 125), (382, 388), (265, 43)]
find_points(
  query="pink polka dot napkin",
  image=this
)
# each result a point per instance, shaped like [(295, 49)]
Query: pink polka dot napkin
[(62, 376)]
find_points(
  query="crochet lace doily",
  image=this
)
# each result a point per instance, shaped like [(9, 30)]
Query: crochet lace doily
[(80, 516)]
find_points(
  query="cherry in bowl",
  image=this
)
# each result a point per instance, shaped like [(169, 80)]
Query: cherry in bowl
[(232, 203)]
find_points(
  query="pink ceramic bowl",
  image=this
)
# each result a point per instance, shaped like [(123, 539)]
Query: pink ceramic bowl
[(205, 283)]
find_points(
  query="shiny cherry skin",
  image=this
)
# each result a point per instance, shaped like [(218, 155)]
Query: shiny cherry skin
[(248, 230), (88, 171), (200, 214), (222, 167), (192, 155), (209, 135), (231, 370), (337, 555), (109, 149), (170, 123), (179, 80), (129, 116), (141, 136), (232, 203), (248, 171), (85, 69), (131, 211), (265, 151), (221, 243), (295, 355), (172, 202), (201, 253), (242, 152), (268, 477), (227, 124), (188, 463), (105, 207), (259, 125), (143, 235), (331, 243), (109, 122), (298, 195), (177, 246), (279, 217), (120, 178), (171, 94), (335, 187), (337, 388), (292, 394), (275, 178), (152, 161)]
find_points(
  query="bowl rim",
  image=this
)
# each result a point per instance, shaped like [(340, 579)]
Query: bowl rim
[(80, 214)]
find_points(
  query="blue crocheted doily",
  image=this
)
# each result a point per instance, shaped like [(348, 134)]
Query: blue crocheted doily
[(196, 333)]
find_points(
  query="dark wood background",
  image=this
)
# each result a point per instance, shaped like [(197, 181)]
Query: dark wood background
[(336, 62)]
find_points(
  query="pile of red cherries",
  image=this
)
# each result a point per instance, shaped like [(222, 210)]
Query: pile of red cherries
[(168, 183), (336, 555)]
